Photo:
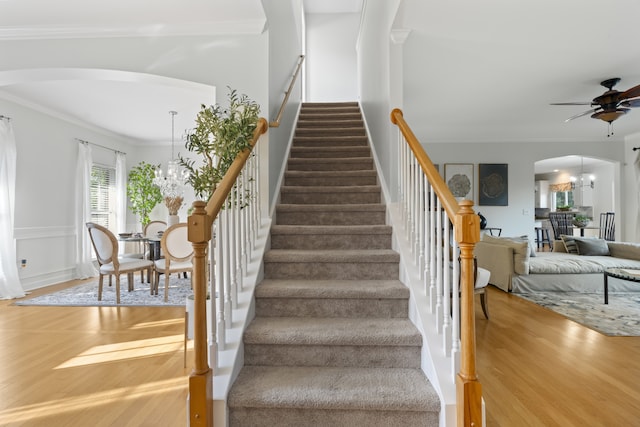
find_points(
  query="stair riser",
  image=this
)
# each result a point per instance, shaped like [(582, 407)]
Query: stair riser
[(332, 355), (330, 271), (328, 123), (330, 198), (330, 165), (327, 132), (352, 141), (332, 307), (331, 180), (330, 218), (321, 153), (330, 241), (296, 417), (324, 117)]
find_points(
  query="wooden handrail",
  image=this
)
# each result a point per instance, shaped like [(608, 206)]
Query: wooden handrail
[(200, 223), (276, 122), (449, 202), (467, 234)]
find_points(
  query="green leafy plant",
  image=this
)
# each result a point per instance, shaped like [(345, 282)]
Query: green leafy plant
[(220, 134), (142, 194)]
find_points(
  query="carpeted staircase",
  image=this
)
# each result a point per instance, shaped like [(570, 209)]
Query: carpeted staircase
[(331, 344)]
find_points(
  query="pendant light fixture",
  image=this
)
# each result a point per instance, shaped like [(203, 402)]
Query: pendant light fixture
[(172, 182)]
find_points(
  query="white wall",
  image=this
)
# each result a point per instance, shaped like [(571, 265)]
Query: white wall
[(374, 75), (285, 48), (331, 61), (46, 145)]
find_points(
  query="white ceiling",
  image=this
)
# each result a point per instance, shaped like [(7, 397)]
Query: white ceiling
[(489, 72)]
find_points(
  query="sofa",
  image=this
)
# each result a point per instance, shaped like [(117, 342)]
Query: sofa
[(576, 264)]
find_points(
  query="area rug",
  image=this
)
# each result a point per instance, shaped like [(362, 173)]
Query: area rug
[(86, 295), (619, 318)]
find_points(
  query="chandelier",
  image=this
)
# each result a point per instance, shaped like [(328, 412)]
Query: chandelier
[(172, 182)]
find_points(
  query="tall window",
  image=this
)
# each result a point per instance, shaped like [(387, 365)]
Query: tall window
[(103, 196)]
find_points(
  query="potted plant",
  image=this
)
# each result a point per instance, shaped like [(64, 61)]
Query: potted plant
[(220, 134), (580, 221), (142, 193)]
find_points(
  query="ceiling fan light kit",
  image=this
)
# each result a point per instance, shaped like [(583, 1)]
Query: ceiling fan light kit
[(611, 105)]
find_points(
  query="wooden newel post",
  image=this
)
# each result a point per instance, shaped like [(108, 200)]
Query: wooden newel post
[(468, 388), (200, 380)]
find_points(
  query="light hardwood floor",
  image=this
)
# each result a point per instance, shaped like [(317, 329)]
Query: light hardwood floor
[(90, 366)]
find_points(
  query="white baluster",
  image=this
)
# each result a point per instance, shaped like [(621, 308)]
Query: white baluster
[(226, 259), (432, 252), (439, 308), (421, 224), (455, 326), (446, 292), (233, 243), (211, 302), (222, 328)]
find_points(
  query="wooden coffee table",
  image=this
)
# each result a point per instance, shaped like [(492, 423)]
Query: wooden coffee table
[(629, 274)]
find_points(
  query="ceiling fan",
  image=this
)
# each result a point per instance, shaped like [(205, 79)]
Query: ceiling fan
[(611, 104)]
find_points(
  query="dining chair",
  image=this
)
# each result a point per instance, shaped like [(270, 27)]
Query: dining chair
[(607, 226), (153, 230), (178, 252), (105, 246), (561, 223)]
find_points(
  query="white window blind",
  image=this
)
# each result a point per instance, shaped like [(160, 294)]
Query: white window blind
[(103, 195)]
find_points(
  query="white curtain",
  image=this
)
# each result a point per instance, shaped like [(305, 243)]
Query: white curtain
[(84, 264), (10, 286), (637, 169), (121, 191)]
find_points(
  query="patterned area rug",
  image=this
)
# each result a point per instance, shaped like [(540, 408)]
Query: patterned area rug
[(86, 295), (619, 318)]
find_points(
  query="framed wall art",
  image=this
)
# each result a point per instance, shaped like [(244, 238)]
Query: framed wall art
[(493, 184), (459, 179)]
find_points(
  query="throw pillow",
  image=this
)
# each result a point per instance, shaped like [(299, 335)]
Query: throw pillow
[(592, 246), (569, 244)]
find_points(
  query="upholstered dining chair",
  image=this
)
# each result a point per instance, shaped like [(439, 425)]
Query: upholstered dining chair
[(105, 246), (152, 231), (481, 278), (178, 252), (153, 228)]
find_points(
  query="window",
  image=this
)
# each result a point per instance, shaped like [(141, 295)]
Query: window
[(103, 196)]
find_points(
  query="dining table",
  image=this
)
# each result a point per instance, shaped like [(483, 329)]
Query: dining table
[(152, 243)]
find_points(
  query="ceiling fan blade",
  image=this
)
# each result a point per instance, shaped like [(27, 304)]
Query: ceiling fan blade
[(593, 110), (633, 92), (571, 103), (631, 103)]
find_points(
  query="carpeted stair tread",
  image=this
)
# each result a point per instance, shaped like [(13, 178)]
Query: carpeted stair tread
[(332, 331), (332, 289), (333, 388), (338, 116), (373, 256), (331, 178), (331, 229), (333, 141), (330, 122), (329, 164), (328, 152), (335, 189), (365, 207), (328, 132), (331, 214)]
